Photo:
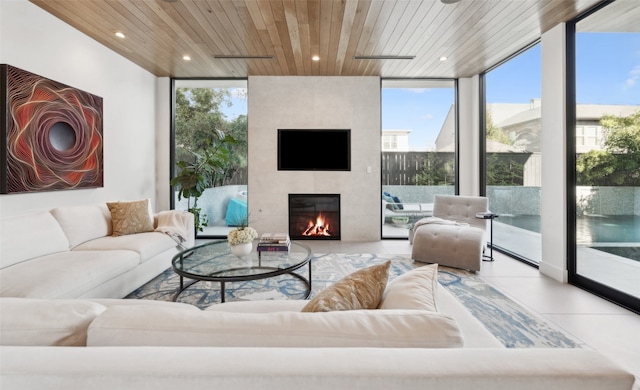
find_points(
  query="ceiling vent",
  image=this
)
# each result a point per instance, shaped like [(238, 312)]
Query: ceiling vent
[(384, 57), (242, 57)]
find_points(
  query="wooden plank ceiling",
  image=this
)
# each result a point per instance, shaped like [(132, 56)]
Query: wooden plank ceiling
[(473, 34)]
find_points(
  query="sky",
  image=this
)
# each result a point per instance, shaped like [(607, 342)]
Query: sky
[(238, 103), (420, 110), (608, 72), (608, 68)]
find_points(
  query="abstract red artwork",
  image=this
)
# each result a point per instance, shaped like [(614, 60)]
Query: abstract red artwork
[(51, 135)]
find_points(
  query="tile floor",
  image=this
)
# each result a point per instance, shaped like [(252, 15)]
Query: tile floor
[(594, 322)]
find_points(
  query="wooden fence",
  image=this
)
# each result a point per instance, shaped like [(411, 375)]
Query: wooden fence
[(405, 168), (236, 177)]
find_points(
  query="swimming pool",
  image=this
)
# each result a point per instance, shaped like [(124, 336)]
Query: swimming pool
[(589, 229), (630, 252), (615, 234)]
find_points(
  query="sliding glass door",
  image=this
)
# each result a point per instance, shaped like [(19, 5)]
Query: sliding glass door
[(418, 150), (512, 153), (210, 153), (607, 151)]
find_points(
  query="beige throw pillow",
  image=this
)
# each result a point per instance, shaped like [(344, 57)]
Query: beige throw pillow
[(415, 290), (359, 290), (131, 217)]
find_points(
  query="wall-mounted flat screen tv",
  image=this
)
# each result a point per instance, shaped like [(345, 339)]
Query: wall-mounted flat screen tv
[(314, 150)]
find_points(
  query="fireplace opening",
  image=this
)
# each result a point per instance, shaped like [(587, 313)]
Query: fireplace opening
[(314, 216)]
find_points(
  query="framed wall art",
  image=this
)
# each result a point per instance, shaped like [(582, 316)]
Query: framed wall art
[(51, 136)]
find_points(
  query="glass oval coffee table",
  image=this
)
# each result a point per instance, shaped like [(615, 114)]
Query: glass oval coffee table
[(214, 262)]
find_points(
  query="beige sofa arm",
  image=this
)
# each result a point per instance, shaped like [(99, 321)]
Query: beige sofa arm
[(178, 222), (170, 368)]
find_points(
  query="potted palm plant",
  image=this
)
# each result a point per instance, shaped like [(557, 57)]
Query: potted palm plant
[(195, 176)]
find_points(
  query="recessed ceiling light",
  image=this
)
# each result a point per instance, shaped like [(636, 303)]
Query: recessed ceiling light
[(449, 1), (315, 58), (186, 58), (119, 34), (443, 58)]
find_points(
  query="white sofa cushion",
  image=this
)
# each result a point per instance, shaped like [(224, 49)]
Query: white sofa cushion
[(162, 326), (259, 306), (146, 245), (415, 289), (83, 223), (24, 237), (109, 302), (31, 322), (65, 275)]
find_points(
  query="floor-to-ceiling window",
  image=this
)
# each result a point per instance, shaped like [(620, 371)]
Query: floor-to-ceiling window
[(209, 167), (607, 151), (512, 152), (418, 150)]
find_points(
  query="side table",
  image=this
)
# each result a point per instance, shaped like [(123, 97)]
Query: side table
[(491, 216)]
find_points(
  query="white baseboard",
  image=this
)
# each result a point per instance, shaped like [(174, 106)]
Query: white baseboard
[(559, 274)]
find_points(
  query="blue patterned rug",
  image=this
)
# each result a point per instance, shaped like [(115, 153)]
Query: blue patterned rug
[(509, 322)]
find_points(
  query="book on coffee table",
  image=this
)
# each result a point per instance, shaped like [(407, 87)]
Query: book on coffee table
[(274, 242), (274, 238), (273, 248)]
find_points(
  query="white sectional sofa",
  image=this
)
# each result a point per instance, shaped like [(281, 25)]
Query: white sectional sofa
[(140, 344), (69, 252)]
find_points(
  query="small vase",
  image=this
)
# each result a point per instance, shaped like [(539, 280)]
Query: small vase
[(242, 249)]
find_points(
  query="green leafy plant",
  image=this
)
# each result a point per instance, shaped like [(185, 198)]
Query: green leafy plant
[(195, 176), (437, 170), (502, 170), (619, 163)]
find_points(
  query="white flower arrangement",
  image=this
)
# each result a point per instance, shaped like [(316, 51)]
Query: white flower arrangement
[(242, 235)]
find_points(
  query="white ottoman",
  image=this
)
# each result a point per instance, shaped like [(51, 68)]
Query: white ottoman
[(449, 245)]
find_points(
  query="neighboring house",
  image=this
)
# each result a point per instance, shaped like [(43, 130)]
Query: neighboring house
[(395, 140), (446, 140), (521, 122), (588, 129)]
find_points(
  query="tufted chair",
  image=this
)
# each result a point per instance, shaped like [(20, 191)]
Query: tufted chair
[(453, 237)]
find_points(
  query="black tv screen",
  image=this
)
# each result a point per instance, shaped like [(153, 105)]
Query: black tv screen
[(314, 150)]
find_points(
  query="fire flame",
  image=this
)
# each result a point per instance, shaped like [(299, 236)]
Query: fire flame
[(319, 228)]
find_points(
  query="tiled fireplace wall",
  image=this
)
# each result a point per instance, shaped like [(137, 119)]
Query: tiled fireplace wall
[(311, 102)]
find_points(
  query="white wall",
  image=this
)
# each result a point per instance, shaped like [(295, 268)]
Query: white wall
[(316, 103), (163, 142), (469, 136), (35, 41), (553, 150)]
